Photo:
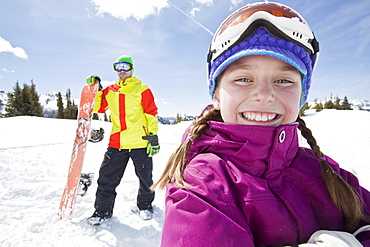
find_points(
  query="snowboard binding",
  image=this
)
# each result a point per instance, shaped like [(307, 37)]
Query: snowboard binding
[(85, 183), (96, 135)]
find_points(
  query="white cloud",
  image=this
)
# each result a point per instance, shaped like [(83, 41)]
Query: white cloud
[(205, 2), (5, 46), (199, 3), (236, 2), (193, 11), (163, 101), (8, 71), (124, 9)]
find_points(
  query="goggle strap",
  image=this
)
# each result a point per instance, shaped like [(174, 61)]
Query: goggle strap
[(209, 55), (272, 29), (315, 44)]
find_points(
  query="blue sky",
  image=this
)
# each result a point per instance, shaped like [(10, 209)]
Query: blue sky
[(59, 43)]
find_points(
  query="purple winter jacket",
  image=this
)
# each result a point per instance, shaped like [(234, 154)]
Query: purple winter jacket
[(252, 186)]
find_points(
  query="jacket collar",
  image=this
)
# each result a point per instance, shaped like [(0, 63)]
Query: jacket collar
[(259, 150), (132, 79)]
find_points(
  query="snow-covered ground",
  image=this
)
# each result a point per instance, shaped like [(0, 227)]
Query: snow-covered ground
[(34, 159)]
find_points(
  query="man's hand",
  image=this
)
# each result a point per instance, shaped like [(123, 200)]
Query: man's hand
[(153, 145)]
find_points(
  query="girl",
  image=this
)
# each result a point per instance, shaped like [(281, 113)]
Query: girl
[(239, 177)]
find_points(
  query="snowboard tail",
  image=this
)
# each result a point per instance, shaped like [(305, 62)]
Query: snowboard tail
[(85, 113)]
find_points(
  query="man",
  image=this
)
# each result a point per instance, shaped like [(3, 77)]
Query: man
[(133, 135)]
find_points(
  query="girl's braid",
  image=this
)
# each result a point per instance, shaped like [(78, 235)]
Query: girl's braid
[(174, 171), (200, 123), (307, 134), (342, 194)]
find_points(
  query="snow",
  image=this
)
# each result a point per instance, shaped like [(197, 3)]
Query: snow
[(35, 155)]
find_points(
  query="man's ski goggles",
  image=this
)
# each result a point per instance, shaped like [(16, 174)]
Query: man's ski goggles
[(281, 21), (122, 66)]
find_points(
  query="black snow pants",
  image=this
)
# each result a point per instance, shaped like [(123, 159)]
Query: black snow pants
[(111, 172)]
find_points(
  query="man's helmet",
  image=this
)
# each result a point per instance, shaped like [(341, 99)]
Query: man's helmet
[(124, 59)]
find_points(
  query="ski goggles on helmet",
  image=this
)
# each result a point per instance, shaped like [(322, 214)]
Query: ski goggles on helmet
[(118, 66), (280, 21)]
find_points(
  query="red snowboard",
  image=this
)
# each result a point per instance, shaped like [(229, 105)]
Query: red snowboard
[(85, 112)]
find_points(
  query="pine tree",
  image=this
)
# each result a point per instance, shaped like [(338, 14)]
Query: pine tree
[(36, 108), (329, 104), (95, 116), (60, 105), (74, 110), (24, 102), (345, 104), (71, 110), (14, 104), (318, 106), (178, 119), (67, 110), (305, 107), (106, 118), (101, 117), (337, 104)]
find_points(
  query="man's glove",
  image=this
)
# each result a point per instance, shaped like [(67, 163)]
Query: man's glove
[(91, 80), (153, 145)]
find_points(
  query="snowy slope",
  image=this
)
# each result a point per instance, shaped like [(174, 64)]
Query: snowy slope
[(35, 155)]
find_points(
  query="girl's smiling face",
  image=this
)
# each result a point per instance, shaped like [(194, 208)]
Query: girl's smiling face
[(259, 90)]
